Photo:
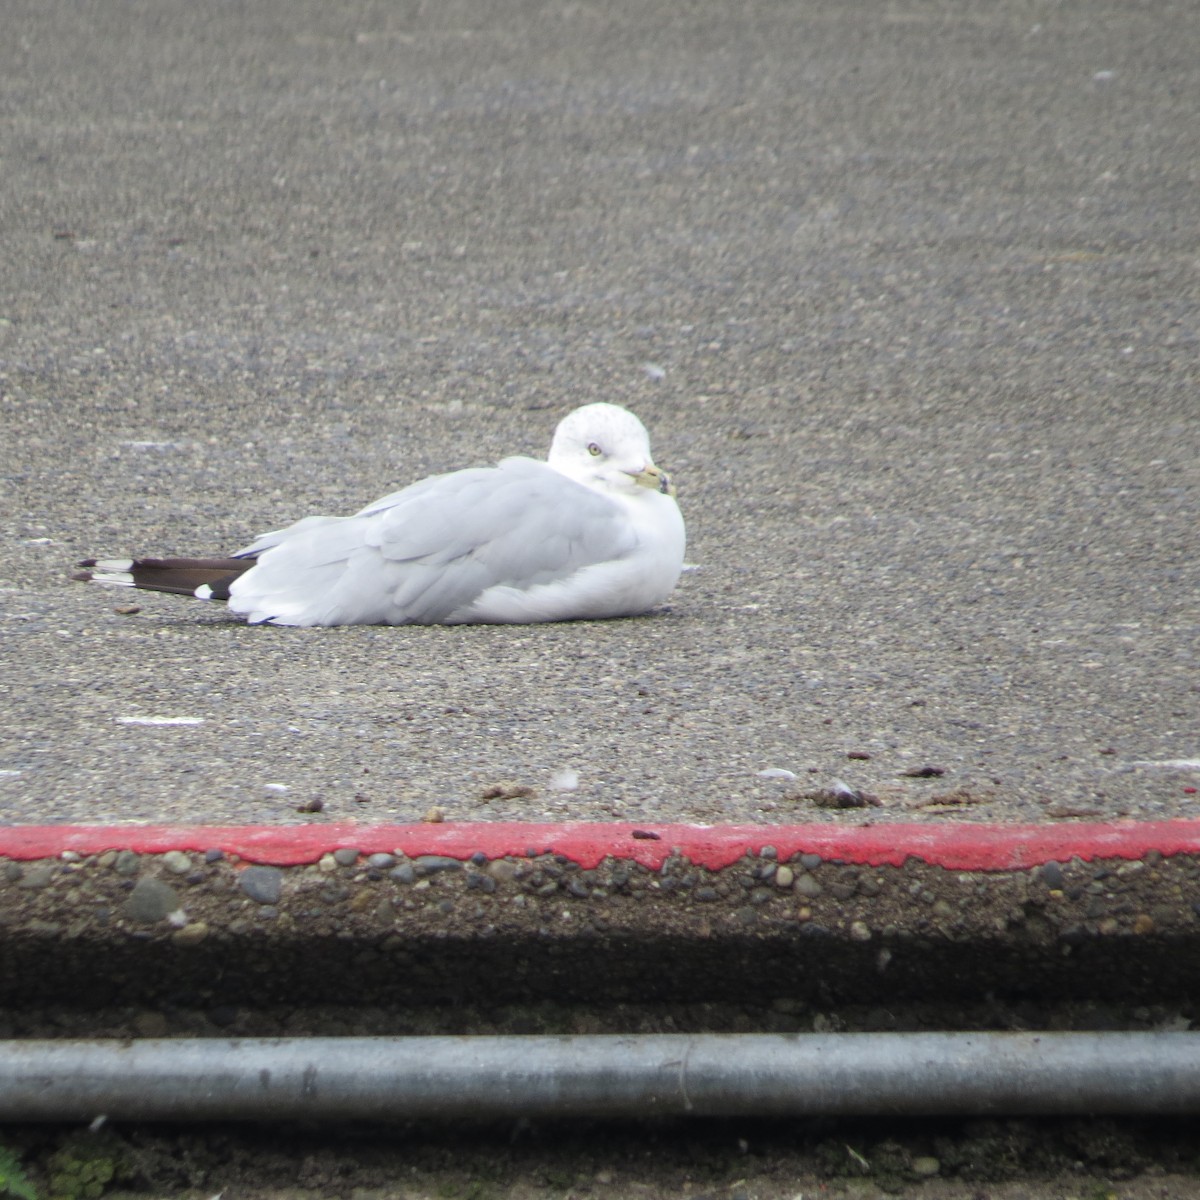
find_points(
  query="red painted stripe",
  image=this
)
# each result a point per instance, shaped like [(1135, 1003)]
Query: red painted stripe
[(960, 847)]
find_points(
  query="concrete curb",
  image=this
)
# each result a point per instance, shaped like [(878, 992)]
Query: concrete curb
[(205, 916)]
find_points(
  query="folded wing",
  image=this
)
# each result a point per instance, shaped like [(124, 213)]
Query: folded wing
[(429, 552)]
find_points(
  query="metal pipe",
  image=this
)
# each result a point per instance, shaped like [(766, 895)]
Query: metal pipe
[(607, 1075)]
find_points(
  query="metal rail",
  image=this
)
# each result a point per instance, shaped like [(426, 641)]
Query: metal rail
[(607, 1075)]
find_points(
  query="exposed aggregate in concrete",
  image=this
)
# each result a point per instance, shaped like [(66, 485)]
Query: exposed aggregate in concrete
[(387, 928)]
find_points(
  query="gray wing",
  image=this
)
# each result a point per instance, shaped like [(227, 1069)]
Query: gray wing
[(423, 553)]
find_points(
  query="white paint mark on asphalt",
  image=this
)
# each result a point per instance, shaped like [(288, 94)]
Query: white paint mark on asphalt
[(160, 720)]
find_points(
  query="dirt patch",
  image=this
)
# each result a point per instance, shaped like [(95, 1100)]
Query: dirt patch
[(700, 1160)]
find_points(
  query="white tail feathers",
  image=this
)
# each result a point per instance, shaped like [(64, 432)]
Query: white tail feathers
[(111, 571)]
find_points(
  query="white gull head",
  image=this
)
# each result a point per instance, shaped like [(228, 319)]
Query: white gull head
[(605, 447)]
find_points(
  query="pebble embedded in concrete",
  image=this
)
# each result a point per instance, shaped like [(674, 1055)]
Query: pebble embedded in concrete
[(126, 863), (428, 864), (502, 870), (151, 900), (1051, 875), (190, 935), (177, 862), (807, 886), (264, 885)]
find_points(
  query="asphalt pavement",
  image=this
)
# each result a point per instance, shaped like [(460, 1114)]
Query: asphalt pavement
[(906, 291)]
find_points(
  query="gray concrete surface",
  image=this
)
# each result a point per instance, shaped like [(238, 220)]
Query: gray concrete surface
[(908, 294)]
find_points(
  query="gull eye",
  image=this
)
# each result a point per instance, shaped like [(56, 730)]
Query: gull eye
[(594, 449)]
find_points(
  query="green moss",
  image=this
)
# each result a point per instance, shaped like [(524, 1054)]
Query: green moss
[(83, 1167), (13, 1182)]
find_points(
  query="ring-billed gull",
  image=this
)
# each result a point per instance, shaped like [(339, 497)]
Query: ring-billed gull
[(592, 532)]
